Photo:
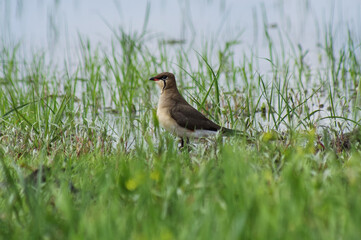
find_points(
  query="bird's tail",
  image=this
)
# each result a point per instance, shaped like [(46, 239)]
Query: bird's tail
[(237, 133), (232, 132)]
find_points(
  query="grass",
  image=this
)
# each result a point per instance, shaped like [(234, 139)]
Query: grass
[(284, 192), (83, 155)]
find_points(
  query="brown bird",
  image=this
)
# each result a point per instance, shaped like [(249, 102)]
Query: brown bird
[(177, 116)]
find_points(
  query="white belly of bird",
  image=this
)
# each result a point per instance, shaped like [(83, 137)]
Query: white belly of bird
[(201, 133), (169, 124)]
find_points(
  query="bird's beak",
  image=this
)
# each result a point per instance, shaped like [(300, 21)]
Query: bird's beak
[(153, 79)]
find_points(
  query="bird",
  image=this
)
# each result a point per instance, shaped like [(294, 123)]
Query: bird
[(178, 117)]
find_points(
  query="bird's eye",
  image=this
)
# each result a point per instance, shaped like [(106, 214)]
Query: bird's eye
[(164, 77)]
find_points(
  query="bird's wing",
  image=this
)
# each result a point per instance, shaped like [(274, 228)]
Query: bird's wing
[(188, 117)]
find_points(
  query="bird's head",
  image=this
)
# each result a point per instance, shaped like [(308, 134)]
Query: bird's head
[(165, 81)]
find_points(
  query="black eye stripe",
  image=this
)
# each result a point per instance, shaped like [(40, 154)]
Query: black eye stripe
[(164, 77), (165, 84)]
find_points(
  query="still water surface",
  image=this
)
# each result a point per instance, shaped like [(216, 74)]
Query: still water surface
[(56, 24)]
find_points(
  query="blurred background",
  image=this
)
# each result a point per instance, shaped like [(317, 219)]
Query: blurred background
[(54, 26)]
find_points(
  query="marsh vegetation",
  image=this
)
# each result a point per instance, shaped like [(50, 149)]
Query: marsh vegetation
[(82, 154)]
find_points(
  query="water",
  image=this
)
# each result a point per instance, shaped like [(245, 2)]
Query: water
[(56, 24)]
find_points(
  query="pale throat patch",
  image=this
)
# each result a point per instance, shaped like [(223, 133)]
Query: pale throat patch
[(160, 84)]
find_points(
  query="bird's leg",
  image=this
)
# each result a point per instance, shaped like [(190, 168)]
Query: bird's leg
[(187, 145), (181, 143), (184, 144)]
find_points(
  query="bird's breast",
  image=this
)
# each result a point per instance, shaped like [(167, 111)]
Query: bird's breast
[(165, 119)]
